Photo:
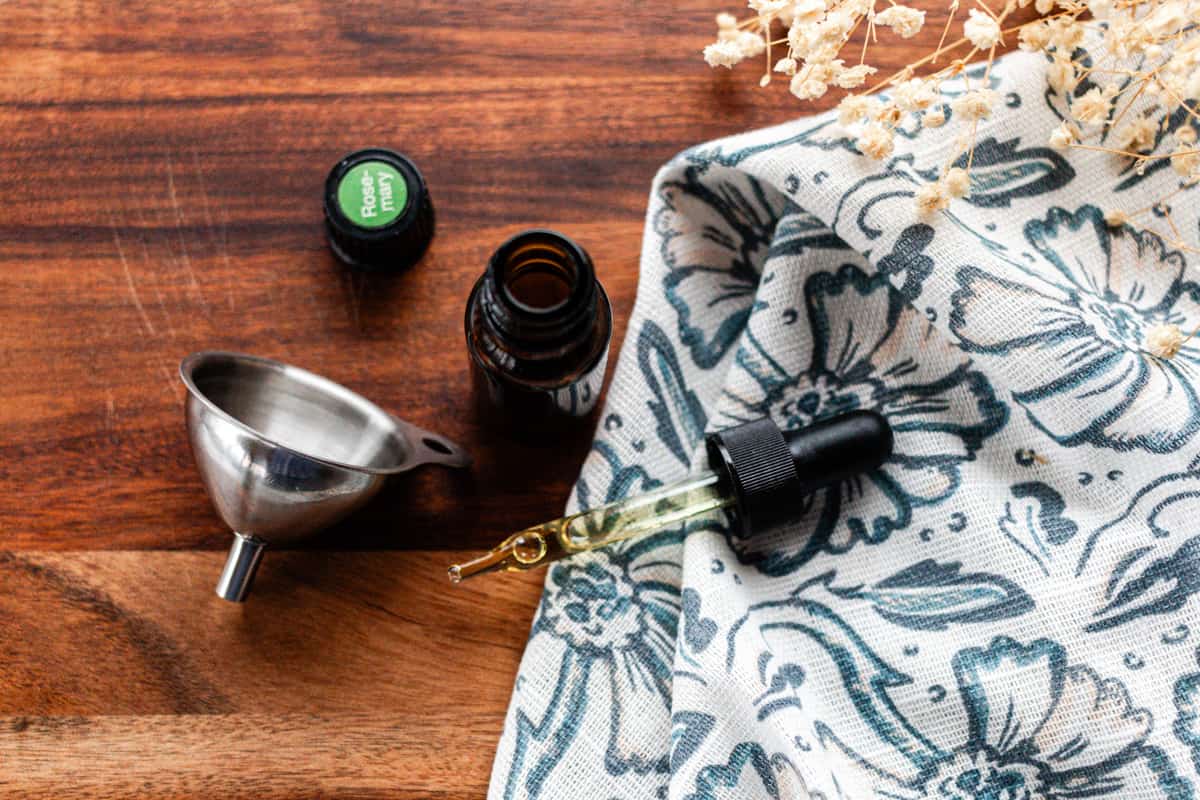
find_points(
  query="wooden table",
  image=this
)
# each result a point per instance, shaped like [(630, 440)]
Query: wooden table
[(161, 172)]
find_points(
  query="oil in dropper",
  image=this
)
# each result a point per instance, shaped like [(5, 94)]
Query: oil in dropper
[(761, 475)]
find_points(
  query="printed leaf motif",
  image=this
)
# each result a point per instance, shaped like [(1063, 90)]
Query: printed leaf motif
[(689, 729), (1035, 520), (1187, 723), (748, 773), (698, 630), (908, 258), (839, 658), (1000, 171), (679, 413), (1161, 572), (931, 596)]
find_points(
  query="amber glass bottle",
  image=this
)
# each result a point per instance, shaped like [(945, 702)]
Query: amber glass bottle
[(538, 326)]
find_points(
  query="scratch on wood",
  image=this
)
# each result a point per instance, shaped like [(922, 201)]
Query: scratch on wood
[(179, 222), (133, 293), (221, 242), (173, 388)]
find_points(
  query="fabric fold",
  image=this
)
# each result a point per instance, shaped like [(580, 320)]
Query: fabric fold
[(1004, 609)]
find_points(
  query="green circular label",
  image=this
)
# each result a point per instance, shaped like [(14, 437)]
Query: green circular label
[(372, 194)]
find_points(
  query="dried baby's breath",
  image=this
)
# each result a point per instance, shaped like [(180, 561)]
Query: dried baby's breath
[(1164, 340), (1126, 71)]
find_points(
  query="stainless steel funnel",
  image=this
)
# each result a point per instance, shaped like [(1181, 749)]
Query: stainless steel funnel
[(284, 453)]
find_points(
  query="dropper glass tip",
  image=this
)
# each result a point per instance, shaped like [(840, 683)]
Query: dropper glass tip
[(454, 573)]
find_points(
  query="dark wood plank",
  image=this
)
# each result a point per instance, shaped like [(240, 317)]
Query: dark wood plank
[(437, 755), (141, 632)]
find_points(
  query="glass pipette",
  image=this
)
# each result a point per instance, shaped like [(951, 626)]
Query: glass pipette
[(759, 475)]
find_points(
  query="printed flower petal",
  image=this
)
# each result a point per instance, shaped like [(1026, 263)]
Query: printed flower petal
[(1144, 271), (640, 685), (716, 227), (851, 313), (996, 315), (1093, 721), (1145, 772), (1009, 690), (1126, 265), (942, 422), (1163, 410), (1097, 393), (915, 352)]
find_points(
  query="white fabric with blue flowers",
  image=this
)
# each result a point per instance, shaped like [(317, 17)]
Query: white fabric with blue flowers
[(1006, 609)]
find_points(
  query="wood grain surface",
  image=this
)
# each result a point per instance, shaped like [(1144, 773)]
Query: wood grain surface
[(161, 166)]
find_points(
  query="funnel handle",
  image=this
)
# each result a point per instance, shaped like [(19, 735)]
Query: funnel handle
[(430, 448), (244, 556)]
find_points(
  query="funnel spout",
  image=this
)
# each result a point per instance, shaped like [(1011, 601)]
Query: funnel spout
[(244, 555)]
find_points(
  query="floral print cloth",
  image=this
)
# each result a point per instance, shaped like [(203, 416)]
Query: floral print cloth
[(1006, 609)]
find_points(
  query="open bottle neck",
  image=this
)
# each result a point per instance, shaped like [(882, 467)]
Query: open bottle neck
[(539, 292)]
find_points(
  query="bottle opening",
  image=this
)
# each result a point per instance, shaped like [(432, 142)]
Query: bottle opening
[(539, 276)]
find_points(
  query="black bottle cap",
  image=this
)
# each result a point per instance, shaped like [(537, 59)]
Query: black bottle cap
[(377, 211), (769, 470)]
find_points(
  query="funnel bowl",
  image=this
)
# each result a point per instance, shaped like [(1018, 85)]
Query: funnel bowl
[(283, 452)]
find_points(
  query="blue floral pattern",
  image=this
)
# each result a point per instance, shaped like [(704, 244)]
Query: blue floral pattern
[(862, 334), (1009, 607), (1093, 292)]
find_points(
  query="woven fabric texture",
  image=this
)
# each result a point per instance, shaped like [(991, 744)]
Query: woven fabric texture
[(1005, 610)]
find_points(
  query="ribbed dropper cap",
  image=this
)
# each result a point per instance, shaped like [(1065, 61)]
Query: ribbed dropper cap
[(770, 470)]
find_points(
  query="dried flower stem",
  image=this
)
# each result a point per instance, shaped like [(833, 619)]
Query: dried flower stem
[(1154, 45)]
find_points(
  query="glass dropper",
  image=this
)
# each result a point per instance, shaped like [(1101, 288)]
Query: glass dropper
[(601, 526), (760, 473)]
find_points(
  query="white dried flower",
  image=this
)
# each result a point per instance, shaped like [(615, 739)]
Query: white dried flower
[(1044, 6), (914, 94), (1066, 33), (1164, 340), (875, 141), (905, 21), (1186, 160), (957, 182), (807, 88), (981, 30), (1065, 135), (853, 77), (750, 43), (1060, 75), (934, 118), (932, 197), (888, 114), (723, 54), (1137, 135), (854, 107), (1184, 134), (726, 21), (767, 8), (806, 12), (1034, 37), (1092, 108), (975, 104), (786, 65)]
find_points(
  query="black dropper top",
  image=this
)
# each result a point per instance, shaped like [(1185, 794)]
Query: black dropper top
[(770, 470)]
